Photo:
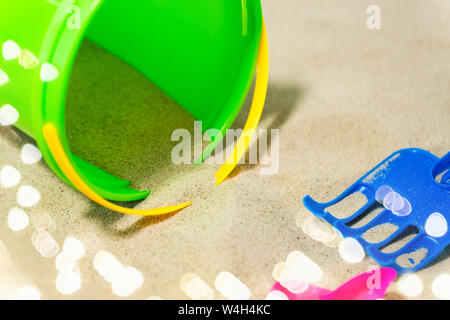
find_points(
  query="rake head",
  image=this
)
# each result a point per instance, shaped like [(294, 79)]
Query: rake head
[(411, 188)]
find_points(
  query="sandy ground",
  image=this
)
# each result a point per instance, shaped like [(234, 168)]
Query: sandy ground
[(343, 97)]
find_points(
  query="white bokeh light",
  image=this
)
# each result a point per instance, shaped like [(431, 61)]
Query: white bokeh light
[(28, 60), (18, 219), (122, 288), (410, 285), (45, 244), (4, 79), (49, 72), (28, 196), (195, 288), (231, 287), (351, 250), (65, 262), (8, 115), (129, 280), (134, 277), (108, 266), (68, 282), (297, 272), (382, 192), (9, 176), (30, 154), (276, 295), (10, 50), (306, 269), (73, 248), (278, 270), (27, 293), (441, 286), (436, 225)]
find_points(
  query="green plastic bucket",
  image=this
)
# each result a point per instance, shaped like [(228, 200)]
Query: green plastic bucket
[(202, 53)]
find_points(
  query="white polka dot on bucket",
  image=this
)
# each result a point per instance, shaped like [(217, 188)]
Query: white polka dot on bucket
[(351, 250)]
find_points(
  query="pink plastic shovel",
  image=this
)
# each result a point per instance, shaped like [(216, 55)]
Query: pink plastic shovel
[(371, 285)]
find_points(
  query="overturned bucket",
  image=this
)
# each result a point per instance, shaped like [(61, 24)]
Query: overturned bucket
[(212, 48)]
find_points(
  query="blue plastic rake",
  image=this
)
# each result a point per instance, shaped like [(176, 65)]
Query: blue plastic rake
[(407, 184)]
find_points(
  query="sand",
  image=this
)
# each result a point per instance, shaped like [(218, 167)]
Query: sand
[(343, 97), (348, 206)]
